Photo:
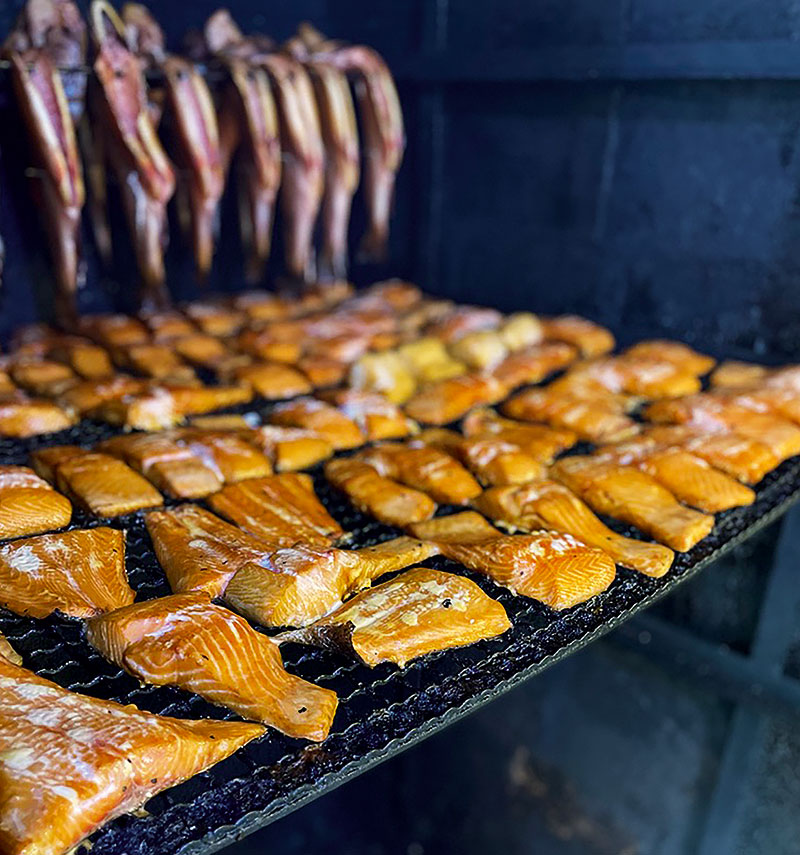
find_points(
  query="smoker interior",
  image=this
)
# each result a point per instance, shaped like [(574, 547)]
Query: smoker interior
[(634, 161)]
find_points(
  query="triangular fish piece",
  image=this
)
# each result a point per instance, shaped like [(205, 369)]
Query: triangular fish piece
[(28, 504), (556, 569), (7, 651), (185, 640), (70, 763), (417, 612), (78, 573)]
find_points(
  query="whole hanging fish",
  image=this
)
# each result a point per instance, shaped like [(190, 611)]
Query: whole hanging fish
[(184, 99), (248, 129), (121, 116), (337, 120), (47, 35), (382, 124)]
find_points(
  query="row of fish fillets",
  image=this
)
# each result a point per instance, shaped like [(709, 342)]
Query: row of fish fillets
[(278, 121), (263, 550), (145, 372)]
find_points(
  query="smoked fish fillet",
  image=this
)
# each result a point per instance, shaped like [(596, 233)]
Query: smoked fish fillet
[(70, 763), (549, 505), (281, 509), (388, 501), (227, 453), (679, 354), (199, 551), (424, 468), (555, 569), (448, 400), (302, 584), (185, 640), (634, 497), (321, 418), (534, 364), (79, 573), (272, 380), (98, 482), (28, 504), (7, 652), (540, 441), (590, 338), (742, 457), (491, 459), (420, 611), (377, 417), (290, 449), (21, 417)]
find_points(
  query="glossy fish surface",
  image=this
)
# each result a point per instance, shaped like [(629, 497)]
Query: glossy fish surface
[(28, 504)]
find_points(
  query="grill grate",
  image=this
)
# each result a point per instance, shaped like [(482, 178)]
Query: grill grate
[(382, 710)]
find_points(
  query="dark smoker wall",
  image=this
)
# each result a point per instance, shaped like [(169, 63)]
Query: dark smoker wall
[(633, 160)]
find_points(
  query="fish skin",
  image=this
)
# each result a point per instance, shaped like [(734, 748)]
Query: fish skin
[(281, 509), (424, 468), (79, 573), (418, 612), (185, 640), (70, 763), (627, 494), (101, 484), (7, 651), (555, 569), (549, 505), (199, 551), (388, 501), (301, 584), (28, 504)]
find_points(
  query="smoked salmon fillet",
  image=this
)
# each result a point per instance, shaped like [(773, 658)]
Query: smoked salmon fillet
[(87, 395), (540, 441), (229, 454), (590, 338), (688, 477), (290, 449), (424, 468), (376, 416), (185, 640), (549, 505), (743, 458), (271, 380), (21, 417), (555, 569), (645, 376), (281, 509), (420, 611), (738, 375), (534, 364), (634, 497), (714, 414), (597, 419), (491, 459), (388, 501), (448, 400), (302, 584), (100, 483), (28, 504), (79, 573), (679, 354), (321, 418), (43, 377), (70, 763), (7, 652), (169, 465), (199, 551)]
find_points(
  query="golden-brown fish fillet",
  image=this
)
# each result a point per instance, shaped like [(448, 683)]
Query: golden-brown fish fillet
[(738, 375), (591, 339), (680, 355), (7, 652), (534, 364), (199, 551), (291, 449), (69, 763), (449, 400), (424, 468), (228, 454), (540, 441), (318, 416), (420, 611), (491, 459), (281, 509), (89, 394), (28, 504), (555, 569), (185, 640), (100, 483), (635, 497), (386, 500), (376, 416), (43, 377), (272, 380), (78, 573), (301, 584), (22, 417), (546, 504)]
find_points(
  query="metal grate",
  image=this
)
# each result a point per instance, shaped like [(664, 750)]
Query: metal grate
[(382, 711)]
